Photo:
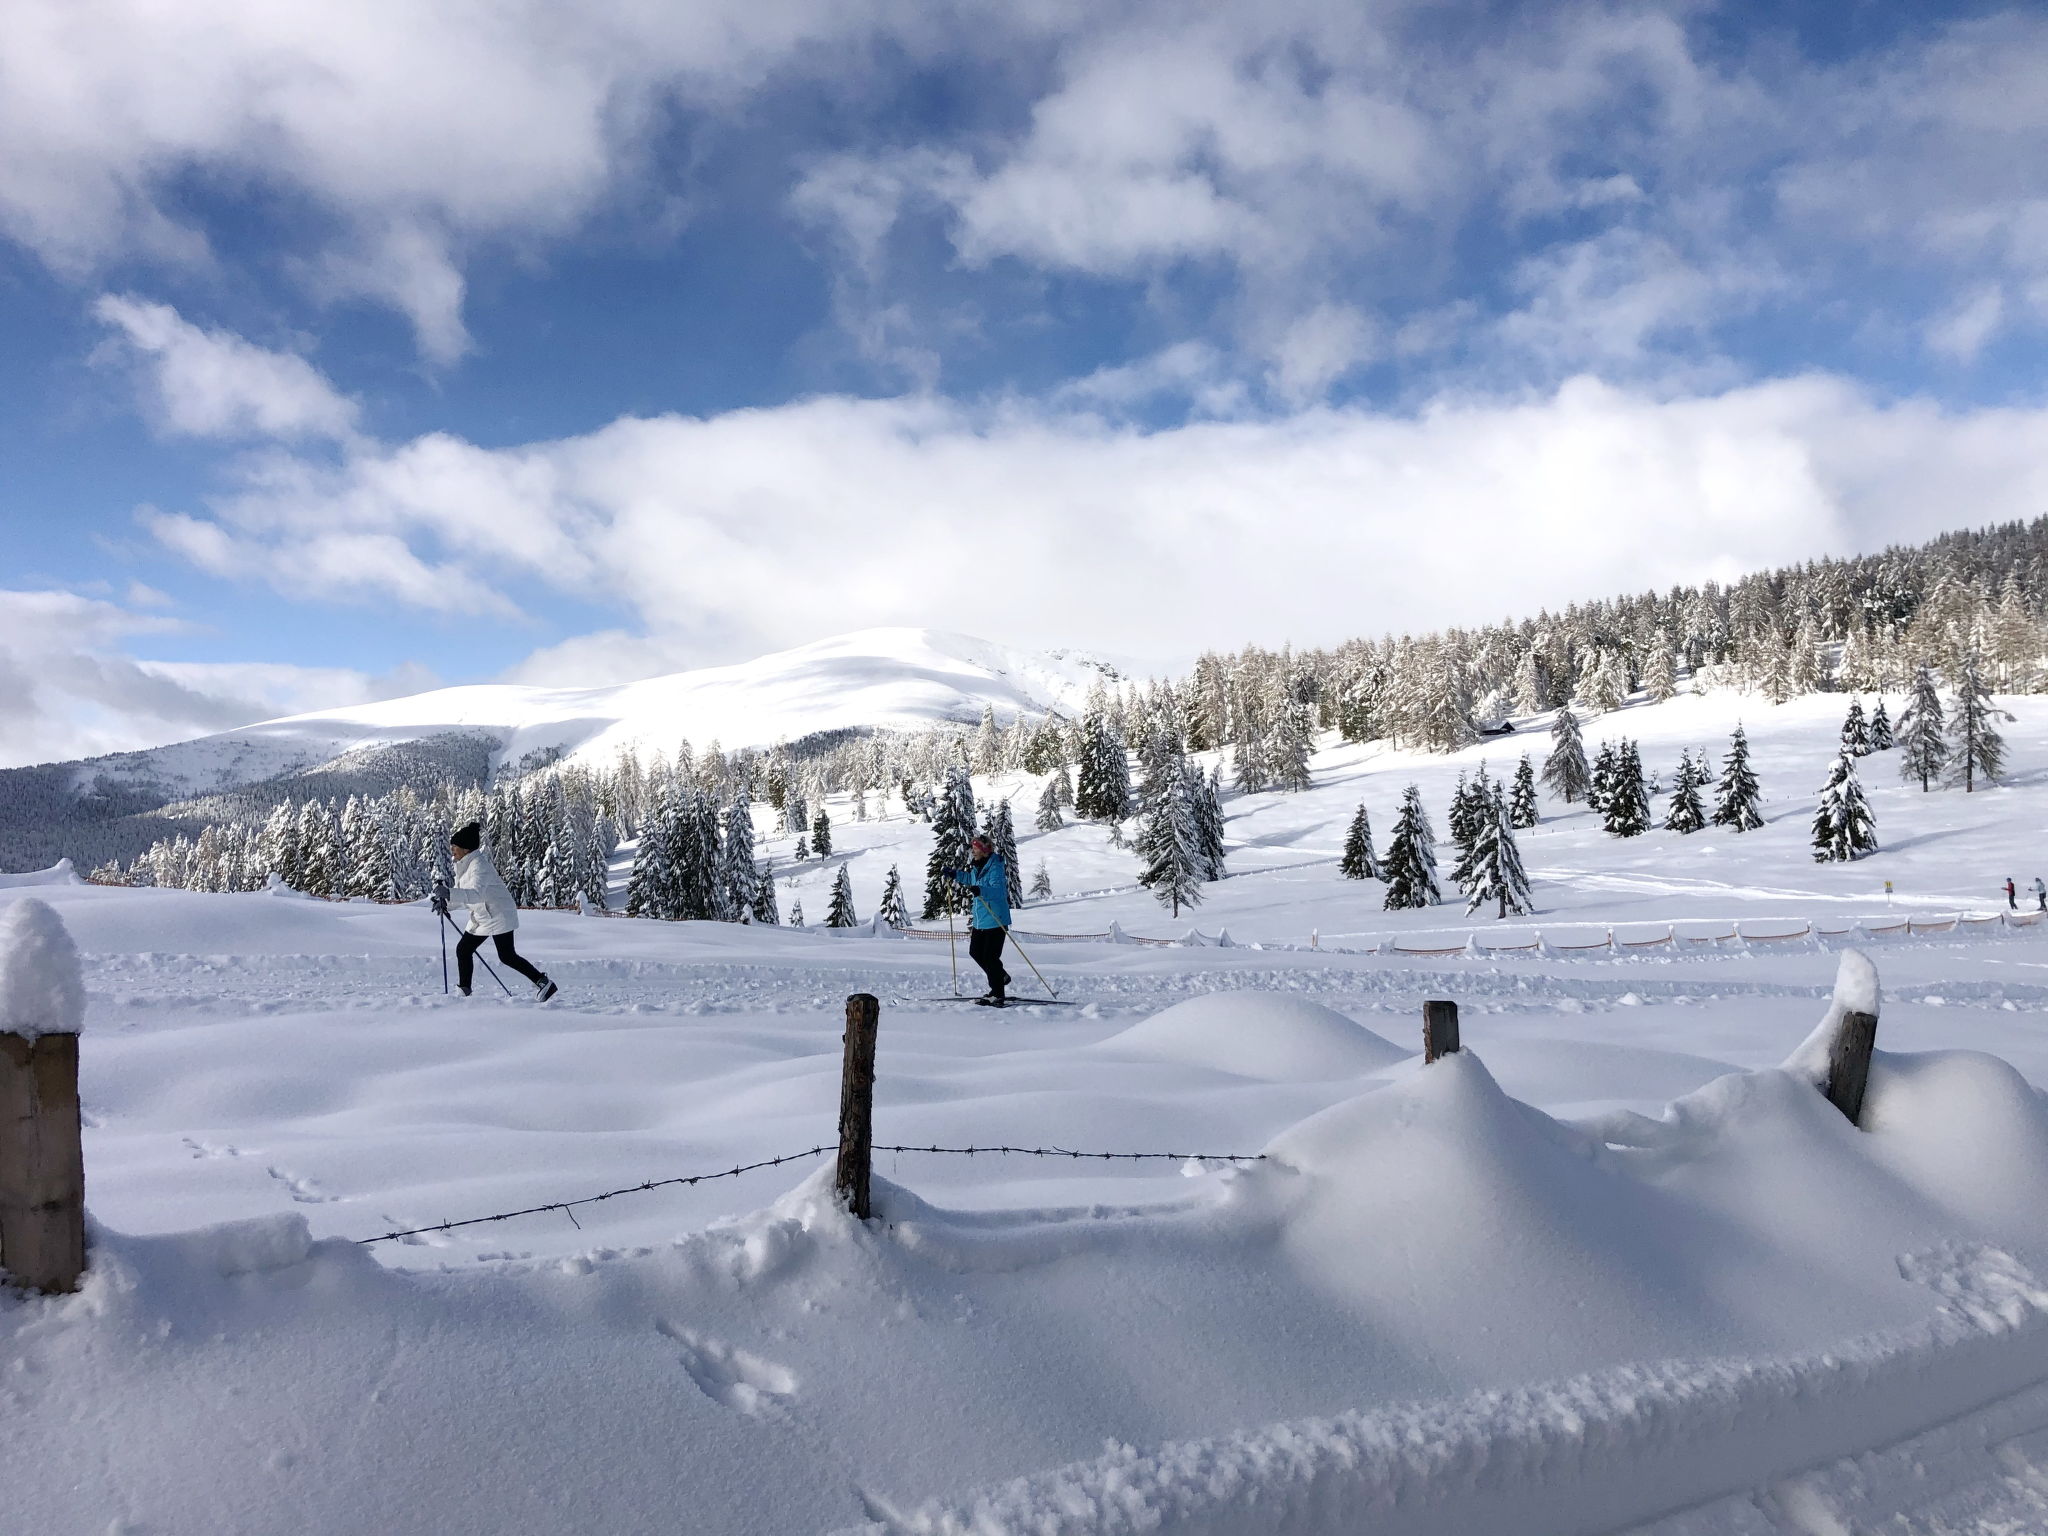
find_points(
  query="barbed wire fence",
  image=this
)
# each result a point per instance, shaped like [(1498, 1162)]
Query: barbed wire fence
[(855, 1147), (567, 1207)]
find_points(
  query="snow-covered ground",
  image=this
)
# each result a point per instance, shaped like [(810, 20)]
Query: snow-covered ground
[(1612, 1269)]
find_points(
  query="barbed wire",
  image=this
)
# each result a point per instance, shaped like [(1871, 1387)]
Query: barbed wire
[(610, 1194), (1177, 1157), (567, 1206)]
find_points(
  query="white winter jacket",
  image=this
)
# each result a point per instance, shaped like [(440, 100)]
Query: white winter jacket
[(478, 887)]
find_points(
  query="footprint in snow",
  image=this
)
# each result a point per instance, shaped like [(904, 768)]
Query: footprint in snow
[(731, 1377), (208, 1149), (305, 1191)]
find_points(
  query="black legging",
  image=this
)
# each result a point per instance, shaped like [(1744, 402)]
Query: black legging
[(985, 949), (469, 943)]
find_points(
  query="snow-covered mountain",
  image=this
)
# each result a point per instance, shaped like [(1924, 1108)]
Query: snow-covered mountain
[(896, 678)]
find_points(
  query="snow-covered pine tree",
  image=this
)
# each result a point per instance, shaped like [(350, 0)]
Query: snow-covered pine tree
[(1105, 788), (1410, 865), (1856, 731), (1600, 786), (1565, 771), (1976, 750), (650, 890), (1522, 807), (698, 888), (1359, 862), (1687, 814), (280, 844), (1461, 815), (736, 870), (1842, 824), (1209, 819), (317, 853), (840, 913), (1002, 835), (766, 913), (1737, 804), (1293, 741), (802, 850), (892, 911), (1922, 739), (821, 832), (952, 826), (1495, 875), (1881, 729), (796, 914), (1627, 810), (1170, 844), (1048, 818), (1041, 883)]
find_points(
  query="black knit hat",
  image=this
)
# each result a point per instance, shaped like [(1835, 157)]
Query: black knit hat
[(466, 838)]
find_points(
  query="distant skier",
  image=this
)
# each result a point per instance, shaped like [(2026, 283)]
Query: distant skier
[(2012, 899), (989, 923), (492, 912), (2040, 894)]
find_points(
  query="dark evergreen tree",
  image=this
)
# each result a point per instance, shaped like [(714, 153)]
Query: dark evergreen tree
[(1881, 730), (1359, 862), (1924, 743), (1048, 817), (1002, 836), (1737, 804), (765, 911), (1523, 812), (1169, 842), (821, 833), (1976, 750), (952, 827), (892, 911), (1600, 786), (1565, 771), (1856, 731), (1410, 865), (1842, 824), (1687, 813), (1209, 821), (1104, 793), (1494, 874), (840, 913), (1627, 811)]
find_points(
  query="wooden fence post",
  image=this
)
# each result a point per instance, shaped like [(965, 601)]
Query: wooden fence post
[(857, 1101), (1439, 1029), (1849, 1063), (42, 1164)]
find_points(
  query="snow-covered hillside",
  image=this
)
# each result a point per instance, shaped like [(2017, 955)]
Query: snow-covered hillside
[(1616, 1269), (889, 678)]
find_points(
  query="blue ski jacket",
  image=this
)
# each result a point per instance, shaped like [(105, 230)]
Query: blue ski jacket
[(990, 883)]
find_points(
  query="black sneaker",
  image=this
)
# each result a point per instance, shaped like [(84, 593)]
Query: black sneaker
[(991, 1001), (547, 989)]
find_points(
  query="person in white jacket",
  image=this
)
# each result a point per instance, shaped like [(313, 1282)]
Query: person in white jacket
[(492, 912)]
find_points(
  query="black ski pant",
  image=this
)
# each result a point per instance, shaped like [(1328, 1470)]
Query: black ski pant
[(467, 946), (985, 949)]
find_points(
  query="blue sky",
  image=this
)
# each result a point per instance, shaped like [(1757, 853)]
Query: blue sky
[(353, 349)]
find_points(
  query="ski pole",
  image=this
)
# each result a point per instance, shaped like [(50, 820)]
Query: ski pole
[(443, 931), (480, 959), (1034, 968), (952, 944)]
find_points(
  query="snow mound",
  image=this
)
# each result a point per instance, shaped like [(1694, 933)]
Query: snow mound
[(59, 873), (1260, 1035), (42, 991)]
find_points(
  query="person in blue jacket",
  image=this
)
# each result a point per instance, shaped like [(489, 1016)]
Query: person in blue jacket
[(989, 923)]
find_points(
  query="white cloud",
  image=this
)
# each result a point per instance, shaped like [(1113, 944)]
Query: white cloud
[(762, 528), (415, 130), (1961, 333), (68, 687), (201, 383)]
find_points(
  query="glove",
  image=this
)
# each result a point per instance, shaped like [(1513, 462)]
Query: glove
[(974, 889), (439, 900)]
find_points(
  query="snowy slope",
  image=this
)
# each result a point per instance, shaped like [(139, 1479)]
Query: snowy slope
[(894, 678)]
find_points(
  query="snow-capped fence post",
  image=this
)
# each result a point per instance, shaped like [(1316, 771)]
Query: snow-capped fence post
[(1439, 1029), (857, 1101), (42, 1161)]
